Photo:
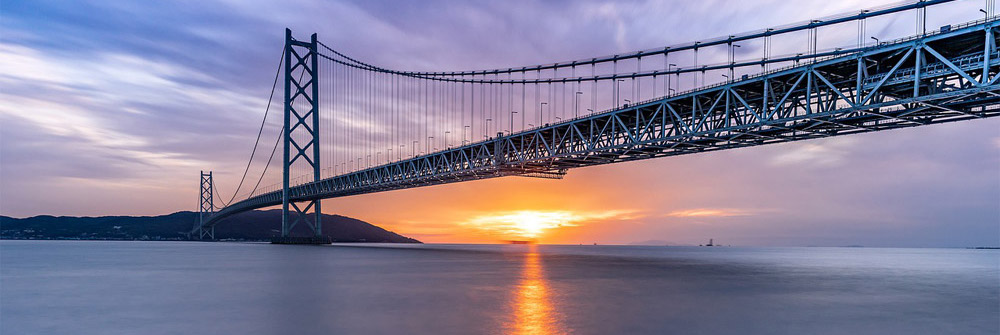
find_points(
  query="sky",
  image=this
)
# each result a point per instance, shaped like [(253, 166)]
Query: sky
[(112, 107)]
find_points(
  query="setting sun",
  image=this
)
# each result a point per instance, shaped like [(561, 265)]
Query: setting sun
[(533, 224), (528, 224)]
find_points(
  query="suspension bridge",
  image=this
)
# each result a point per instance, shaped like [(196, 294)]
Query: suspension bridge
[(349, 127)]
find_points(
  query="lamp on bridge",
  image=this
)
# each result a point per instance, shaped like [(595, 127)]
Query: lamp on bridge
[(667, 78), (618, 91), (511, 121), (732, 60), (541, 111), (576, 104)]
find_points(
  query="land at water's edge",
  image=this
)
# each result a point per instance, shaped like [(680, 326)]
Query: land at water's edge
[(248, 226)]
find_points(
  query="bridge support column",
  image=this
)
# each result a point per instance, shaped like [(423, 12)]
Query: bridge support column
[(301, 137), (205, 206), (209, 232)]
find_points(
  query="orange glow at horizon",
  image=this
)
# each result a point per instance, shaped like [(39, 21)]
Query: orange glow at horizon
[(533, 224), (527, 224), (614, 204)]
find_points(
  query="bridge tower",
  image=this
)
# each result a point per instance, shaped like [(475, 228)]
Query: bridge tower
[(205, 206), (301, 137)]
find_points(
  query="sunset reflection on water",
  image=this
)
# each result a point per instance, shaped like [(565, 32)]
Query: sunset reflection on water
[(533, 308)]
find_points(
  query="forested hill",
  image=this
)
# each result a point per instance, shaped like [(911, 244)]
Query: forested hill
[(250, 226)]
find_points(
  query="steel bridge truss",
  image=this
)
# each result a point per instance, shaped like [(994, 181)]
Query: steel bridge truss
[(301, 131), (941, 77), (206, 207)]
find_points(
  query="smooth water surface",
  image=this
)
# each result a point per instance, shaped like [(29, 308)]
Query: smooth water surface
[(95, 287)]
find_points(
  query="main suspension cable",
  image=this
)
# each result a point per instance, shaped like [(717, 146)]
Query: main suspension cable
[(259, 132), (273, 150)]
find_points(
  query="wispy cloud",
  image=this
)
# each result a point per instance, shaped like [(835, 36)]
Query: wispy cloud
[(711, 212), (828, 153), (609, 12), (112, 107)]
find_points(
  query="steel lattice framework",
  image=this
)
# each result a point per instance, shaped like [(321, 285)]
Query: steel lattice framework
[(301, 117), (942, 76), (206, 206)]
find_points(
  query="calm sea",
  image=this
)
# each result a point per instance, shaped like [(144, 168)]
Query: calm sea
[(91, 287)]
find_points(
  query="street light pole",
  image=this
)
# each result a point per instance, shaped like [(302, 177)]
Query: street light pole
[(541, 111), (668, 76), (618, 89), (576, 103), (815, 39), (512, 121), (732, 61)]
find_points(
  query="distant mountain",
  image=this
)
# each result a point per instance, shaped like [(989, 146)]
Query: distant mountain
[(247, 226)]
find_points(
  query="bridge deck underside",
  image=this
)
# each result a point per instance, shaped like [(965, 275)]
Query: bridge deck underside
[(926, 80)]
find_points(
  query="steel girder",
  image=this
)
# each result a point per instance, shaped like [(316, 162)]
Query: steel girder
[(943, 77)]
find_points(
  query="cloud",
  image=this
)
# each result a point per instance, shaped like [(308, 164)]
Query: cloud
[(711, 212), (110, 104), (110, 107), (829, 153), (610, 12)]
